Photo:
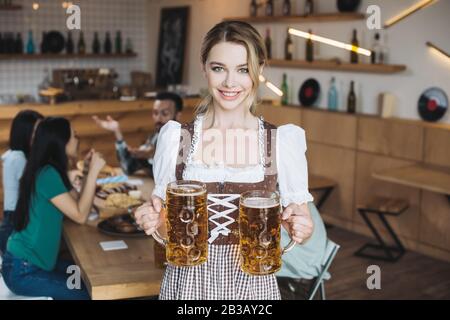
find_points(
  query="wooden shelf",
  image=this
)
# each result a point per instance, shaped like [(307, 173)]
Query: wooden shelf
[(334, 65), (322, 17), (65, 56), (13, 7)]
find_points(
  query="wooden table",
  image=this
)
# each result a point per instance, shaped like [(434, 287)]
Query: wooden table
[(119, 274), (418, 176)]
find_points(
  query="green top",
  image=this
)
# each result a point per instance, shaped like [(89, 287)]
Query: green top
[(39, 242)]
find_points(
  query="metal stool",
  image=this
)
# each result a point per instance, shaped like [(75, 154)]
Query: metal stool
[(381, 207)]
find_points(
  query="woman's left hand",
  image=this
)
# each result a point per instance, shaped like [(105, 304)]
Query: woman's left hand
[(298, 222)]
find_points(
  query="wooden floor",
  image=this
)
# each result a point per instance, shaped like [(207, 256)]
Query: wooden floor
[(414, 276)]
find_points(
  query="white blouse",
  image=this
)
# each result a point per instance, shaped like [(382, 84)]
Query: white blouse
[(290, 158)]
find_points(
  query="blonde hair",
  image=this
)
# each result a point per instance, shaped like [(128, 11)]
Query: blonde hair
[(240, 33)]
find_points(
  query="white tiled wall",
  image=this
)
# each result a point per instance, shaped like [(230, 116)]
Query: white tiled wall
[(128, 16)]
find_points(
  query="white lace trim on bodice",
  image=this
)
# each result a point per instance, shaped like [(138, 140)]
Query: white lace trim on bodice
[(226, 201)]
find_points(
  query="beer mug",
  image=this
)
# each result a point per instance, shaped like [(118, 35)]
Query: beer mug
[(260, 232), (186, 222)]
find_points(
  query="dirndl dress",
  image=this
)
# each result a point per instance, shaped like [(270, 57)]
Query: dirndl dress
[(221, 278)]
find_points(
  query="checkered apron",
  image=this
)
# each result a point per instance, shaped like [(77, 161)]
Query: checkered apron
[(221, 278)]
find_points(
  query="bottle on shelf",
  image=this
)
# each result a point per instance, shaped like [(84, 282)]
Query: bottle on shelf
[(309, 7), (44, 42), (286, 10), (333, 96), (96, 44), (69, 43), (268, 42), (118, 42), (81, 44), (288, 47), (129, 46), (354, 57), (9, 44), (351, 100), (269, 8), (1, 44), (285, 90), (30, 43), (384, 52), (253, 8), (375, 57), (107, 46), (46, 82), (309, 49), (19, 44)]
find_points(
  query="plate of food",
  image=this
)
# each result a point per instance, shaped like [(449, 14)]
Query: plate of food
[(122, 225), (117, 203), (115, 198)]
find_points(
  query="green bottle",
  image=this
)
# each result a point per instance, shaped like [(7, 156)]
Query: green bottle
[(285, 90), (118, 42)]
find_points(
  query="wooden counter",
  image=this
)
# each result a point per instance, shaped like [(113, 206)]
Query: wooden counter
[(80, 113)]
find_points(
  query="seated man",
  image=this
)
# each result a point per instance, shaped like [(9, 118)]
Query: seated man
[(168, 106), (303, 263)]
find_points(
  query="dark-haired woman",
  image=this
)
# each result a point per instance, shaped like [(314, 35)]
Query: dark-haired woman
[(30, 264), (14, 161)]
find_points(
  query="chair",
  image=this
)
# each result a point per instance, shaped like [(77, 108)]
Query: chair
[(6, 294), (331, 250), (382, 206)]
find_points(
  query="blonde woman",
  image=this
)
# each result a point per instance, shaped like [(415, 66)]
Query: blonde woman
[(233, 56)]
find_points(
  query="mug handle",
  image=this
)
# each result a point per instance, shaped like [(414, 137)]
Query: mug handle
[(161, 240), (289, 247), (155, 234), (291, 244)]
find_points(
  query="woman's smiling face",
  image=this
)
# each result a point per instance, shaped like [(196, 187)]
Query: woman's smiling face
[(228, 75)]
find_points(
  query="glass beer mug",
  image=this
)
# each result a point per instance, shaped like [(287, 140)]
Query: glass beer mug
[(260, 232), (186, 222)]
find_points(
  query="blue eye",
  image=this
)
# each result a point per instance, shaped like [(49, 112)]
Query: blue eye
[(217, 69), (243, 70)]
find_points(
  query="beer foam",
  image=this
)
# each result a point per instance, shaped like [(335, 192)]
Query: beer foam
[(260, 203), (187, 190)]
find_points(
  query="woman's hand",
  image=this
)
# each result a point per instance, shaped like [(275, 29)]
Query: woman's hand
[(298, 222), (149, 216), (97, 162)]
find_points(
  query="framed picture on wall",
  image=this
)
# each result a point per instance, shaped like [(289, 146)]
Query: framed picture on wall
[(171, 49)]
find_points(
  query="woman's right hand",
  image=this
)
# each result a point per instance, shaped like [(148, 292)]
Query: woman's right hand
[(149, 216), (97, 162)]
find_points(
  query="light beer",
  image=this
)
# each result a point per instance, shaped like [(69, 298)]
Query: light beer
[(187, 223), (259, 227)]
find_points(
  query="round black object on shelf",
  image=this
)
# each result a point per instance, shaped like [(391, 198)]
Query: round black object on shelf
[(309, 92), (348, 5), (54, 42), (433, 104)]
